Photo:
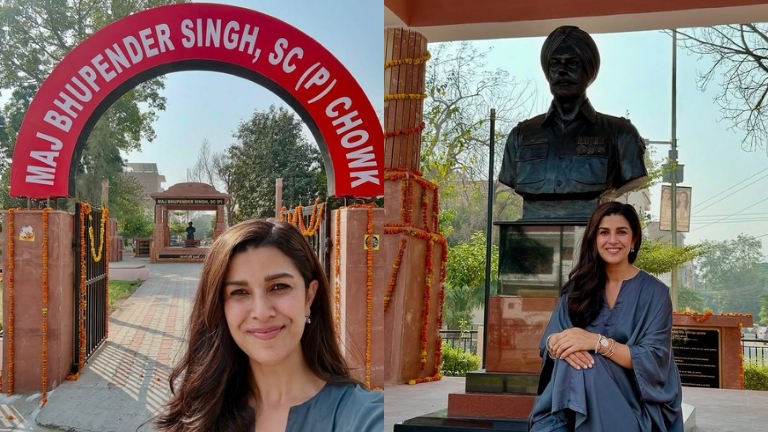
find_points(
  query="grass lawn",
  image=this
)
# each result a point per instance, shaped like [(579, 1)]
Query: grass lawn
[(118, 291)]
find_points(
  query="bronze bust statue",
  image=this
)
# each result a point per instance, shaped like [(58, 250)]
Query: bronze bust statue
[(190, 232), (564, 161)]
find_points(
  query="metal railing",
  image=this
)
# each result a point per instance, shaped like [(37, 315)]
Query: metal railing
[(755, 351), (465, 340)]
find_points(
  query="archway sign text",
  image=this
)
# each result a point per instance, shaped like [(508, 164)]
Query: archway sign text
[(198, 36)]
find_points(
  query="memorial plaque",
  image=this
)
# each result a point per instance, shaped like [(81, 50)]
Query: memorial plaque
[(697, 356)]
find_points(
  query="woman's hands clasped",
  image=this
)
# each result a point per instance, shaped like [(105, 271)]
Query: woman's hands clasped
[(573, 345)]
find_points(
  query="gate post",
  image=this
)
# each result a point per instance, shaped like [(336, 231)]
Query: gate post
[(30, 338), (361, 329)]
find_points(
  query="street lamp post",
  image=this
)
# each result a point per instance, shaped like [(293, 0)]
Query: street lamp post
[(675, 175), (673, 162)]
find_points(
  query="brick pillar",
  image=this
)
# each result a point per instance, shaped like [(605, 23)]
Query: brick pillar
[(159, 233), (413, 297), (221, 223), (27, 303), (349, 291)]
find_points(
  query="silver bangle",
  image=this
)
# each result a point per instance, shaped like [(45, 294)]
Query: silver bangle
[(546, 346)]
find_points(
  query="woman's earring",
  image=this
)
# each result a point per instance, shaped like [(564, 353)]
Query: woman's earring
[(631, 250), (309, 320)]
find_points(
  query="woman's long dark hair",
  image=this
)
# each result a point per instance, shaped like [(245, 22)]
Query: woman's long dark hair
[(214, 374), (586, 283)]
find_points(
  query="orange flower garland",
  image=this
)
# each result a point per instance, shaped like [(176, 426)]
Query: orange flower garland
[(9, 288), (424, 206), (337, 274), (395, 271), (369, 297), (97, 256), (425, 314), (45, 307), (429, 233), (413, 130), (296, 218)]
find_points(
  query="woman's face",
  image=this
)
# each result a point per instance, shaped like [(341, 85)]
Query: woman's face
[(684, 199), (614, 239), (665, 194), (266, 302)]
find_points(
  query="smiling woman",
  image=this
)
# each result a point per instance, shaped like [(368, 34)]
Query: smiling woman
[(263, 353), (607, 350)]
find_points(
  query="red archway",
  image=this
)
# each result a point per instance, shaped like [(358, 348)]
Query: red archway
[(198, 36)]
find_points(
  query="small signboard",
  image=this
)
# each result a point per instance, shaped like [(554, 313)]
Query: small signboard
[(697, 356)]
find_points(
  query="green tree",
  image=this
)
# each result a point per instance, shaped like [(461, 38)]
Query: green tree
[(455, 144), (35, 36), (658, 257), (465, 280), (731, 277), (763, 314), (271, 145), (176, 223), (688, 299), (135, 224)]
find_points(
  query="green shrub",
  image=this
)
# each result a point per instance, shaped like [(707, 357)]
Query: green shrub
[(456, 362), (755, 377)]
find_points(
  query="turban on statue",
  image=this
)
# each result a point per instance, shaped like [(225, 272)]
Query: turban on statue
[(582, 44)]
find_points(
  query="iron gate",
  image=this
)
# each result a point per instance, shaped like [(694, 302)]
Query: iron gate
[(90, 282), (320, 241)]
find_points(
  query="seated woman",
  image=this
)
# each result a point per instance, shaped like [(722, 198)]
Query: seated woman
[(608, 344), (263, 354)]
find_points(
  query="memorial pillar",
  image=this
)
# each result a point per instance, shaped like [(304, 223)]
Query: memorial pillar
[(159, 233), (38, 300), (357, 283), (415, 251), (221, 224)]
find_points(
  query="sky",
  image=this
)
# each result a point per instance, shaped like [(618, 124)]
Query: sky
[(636, 77), (210, 105)]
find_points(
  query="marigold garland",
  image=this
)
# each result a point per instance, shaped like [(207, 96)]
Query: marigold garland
[(408, 61), (369, 297), (337, 274), (395, 271), (96, 256), (429, 233), (425, 309), (45, 309), (9, 287), (412, 130), (405, 96), (296, 218)]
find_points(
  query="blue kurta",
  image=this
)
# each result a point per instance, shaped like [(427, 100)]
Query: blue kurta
[(608, 397), (339, 408)]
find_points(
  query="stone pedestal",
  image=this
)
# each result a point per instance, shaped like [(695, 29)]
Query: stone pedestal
[(534, 263), (708, 350), (23, 339), (352, 294)]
